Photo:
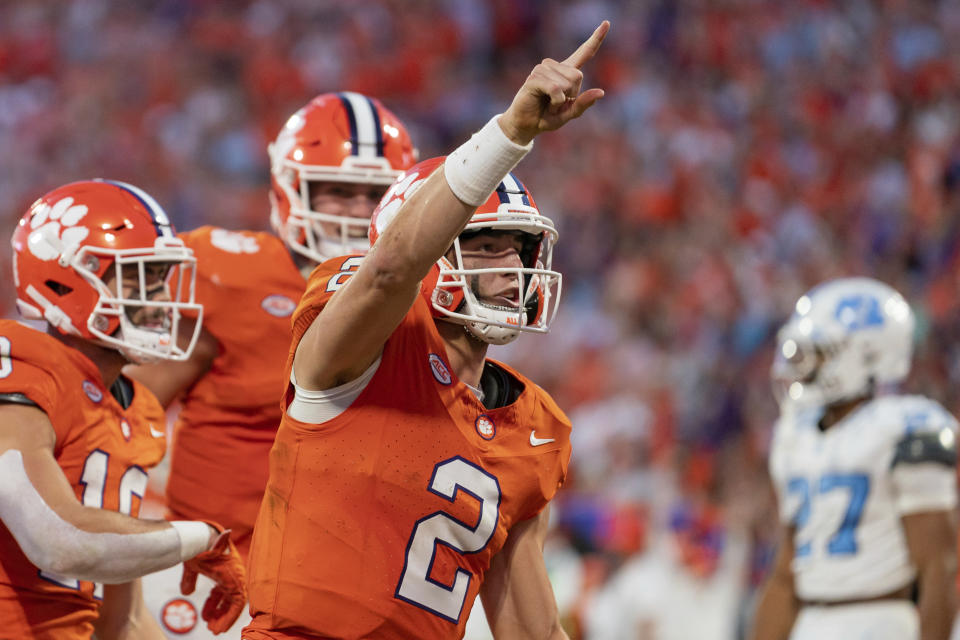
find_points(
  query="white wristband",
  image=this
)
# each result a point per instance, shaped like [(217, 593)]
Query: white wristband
[(478, 166), (194, 537)]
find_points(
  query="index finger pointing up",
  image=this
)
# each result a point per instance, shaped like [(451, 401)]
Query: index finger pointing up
[(587, 50)]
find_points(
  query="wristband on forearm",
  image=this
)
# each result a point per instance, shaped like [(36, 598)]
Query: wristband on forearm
[(194, 537), (478, 166)]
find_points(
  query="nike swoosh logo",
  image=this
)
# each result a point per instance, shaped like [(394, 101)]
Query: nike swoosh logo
[(155, 433), (535, 441)]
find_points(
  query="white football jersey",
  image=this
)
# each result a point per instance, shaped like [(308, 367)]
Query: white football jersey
[(844, 491)]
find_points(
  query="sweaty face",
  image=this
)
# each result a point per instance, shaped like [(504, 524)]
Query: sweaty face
[(494, 250), (347, 199)]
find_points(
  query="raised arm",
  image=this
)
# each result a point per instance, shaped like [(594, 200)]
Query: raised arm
[(349, 334)]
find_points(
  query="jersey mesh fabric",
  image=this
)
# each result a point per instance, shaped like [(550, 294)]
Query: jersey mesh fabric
[(334, 533), (837, 490), (248, 286)]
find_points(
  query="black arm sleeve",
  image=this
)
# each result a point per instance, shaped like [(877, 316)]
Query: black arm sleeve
[(16, 398), (927, 447)]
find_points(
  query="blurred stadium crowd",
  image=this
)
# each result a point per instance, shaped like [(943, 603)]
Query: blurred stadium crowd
[(746, 150)]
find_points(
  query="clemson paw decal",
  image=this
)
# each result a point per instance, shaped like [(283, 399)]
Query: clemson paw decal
[(396, 196), (54, 227)]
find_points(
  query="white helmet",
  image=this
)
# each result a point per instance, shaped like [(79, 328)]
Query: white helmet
[(845, 337)]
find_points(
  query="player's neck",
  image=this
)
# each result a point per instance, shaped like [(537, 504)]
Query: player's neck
[(302, 263), (465, 353), (108, 361), (840, 410)]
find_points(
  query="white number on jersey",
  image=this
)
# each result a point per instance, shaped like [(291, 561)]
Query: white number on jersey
[(94, 479), (416, 586), (844, 541), (6, 365), (347, 269)]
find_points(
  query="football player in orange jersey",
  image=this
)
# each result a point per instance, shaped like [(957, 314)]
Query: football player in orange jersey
[(92, 259), (330, 164), (409, 472)]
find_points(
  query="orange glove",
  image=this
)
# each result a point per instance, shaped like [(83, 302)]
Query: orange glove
[(222, 564)]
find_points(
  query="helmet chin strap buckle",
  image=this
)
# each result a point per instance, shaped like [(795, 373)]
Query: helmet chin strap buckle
[(101, 323), (491, 333)]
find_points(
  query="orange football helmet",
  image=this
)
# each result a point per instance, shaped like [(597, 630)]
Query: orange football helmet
[(337, 137), (447, 287), (74, 239)]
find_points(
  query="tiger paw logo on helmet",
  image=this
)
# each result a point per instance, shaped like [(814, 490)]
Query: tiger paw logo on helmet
[(77, 253), (392, 200), (53, 228)]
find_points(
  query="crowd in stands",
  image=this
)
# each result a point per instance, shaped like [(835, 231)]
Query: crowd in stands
[(745, 151)]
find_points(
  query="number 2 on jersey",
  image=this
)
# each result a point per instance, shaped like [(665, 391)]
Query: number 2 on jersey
[(347, 269), (416, 586), (844, 541)]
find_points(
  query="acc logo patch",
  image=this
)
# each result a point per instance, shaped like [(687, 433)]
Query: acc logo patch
[(485, 427), (278, 305), (125, 429), (179, 616), (439, 369), (92, 391)]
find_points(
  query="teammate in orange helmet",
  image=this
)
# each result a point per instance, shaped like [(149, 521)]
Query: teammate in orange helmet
[(330, 164), (93, 259), (409, 472)]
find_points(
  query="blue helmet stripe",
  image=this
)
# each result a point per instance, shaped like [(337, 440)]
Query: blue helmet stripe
[(365, 127), (159, 217), (377, 126), (512, 190), (352, 120)]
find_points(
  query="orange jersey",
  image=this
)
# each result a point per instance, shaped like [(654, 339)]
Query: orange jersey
[(249, 287), (381, 522), (103, 450)]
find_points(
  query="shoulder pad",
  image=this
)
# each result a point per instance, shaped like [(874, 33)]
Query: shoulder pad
[(939, 447)]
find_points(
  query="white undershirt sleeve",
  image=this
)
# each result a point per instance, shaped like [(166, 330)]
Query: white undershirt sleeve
[(924, 487), (317, 407), (57, 546)]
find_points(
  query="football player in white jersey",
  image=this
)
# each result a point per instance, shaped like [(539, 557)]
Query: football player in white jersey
[(865, 481)]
